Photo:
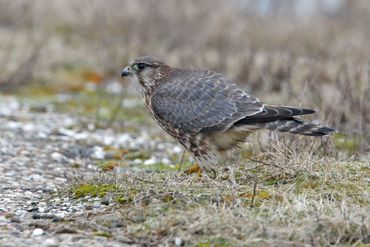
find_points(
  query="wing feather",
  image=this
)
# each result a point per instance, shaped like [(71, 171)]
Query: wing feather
[(202, 101), (272, 113)]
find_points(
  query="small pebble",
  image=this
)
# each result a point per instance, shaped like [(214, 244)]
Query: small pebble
[(98, 153), (178, 241), (58, 157), (61, 215), (49, 242), (177, 149), (137, 161), (15, 219), (37, 232), (36, 216), (150, 161), (105, 201)]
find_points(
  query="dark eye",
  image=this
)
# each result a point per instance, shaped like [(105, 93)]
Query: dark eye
[(141, 66)]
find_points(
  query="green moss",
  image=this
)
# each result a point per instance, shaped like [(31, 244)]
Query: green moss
[(272, 181), (103, 234), (217, 242), (123, 199), (348, 143), (167, 198), (75, 165), (107, 165), (95, 190), (365, 169), (137, 155)]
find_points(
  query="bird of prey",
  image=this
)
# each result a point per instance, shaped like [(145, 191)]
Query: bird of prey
[(207, 112)]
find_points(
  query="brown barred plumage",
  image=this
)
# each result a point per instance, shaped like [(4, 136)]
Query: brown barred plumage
[(207, 112)]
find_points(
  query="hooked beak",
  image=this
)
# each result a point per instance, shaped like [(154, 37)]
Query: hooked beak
[(126, 71)]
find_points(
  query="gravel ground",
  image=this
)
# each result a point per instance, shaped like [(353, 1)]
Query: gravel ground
[(38, 150)]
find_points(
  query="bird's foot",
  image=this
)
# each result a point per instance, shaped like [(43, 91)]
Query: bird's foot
[(194, 169)]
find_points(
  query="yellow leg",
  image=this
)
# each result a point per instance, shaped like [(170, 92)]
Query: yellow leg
[(194, 169)]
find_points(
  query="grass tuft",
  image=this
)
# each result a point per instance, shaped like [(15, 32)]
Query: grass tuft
[(94, 190)]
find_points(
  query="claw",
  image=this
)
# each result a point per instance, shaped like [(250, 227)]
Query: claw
[(194, 169)]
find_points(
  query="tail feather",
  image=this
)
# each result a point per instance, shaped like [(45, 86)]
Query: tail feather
[(296, 126), (281, 118)]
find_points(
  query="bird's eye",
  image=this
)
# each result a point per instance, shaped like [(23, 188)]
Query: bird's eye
[(140, 66)]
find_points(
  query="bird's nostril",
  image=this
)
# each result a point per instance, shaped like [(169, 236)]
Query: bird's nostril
[(126, 72)]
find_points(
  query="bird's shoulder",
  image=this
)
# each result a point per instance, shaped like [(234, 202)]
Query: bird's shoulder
[(199, 77), (198, 81)]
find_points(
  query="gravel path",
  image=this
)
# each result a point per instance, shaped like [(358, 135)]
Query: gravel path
[(37, 153)]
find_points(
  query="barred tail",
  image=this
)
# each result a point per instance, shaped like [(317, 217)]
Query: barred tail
[(296, 126)]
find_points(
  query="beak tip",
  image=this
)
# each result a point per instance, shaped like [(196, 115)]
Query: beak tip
[(125, 72)]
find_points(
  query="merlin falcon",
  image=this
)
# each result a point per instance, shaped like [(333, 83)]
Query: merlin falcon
[(207, 112)]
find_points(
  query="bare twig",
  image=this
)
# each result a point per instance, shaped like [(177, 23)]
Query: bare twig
[(182, 159), (116, 110), (265, 163), (254, 194)]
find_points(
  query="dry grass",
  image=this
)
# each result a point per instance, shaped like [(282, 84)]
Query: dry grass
[(300, 200)]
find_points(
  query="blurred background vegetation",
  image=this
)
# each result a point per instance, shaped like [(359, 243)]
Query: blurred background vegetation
[(295, 52)]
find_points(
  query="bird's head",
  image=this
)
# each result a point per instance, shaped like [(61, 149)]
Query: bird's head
[(147, 70)]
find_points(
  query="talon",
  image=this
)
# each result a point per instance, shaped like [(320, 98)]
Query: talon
[(194, 169)]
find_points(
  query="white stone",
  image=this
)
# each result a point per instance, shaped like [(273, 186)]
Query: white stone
[(37, 232), (49, 242), (150, 161), (57, 200), (36, 177), (81, 136), (137, 161), (98, 153), (165, 161), (42, 135), (177, 149), (28, 127), (67, 132), (13, 125), (28, 193), (68, 121), (161, 146), (58, 157), (61, 214), (108, 140), (178, 241), (90, 126)]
